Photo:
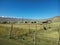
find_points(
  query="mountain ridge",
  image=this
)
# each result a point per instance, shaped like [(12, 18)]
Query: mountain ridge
[(53, 19)]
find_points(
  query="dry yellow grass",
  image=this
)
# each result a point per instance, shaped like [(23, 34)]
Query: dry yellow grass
[(47, 37)]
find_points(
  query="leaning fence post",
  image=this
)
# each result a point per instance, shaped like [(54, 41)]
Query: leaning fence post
[(10, 32), (59, 34), (29, 28), (35, 35)]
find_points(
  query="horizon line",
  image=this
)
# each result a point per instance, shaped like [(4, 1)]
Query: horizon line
[(26, 17)]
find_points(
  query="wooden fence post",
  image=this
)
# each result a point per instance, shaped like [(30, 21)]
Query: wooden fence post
[(59, 34), (35, 35), (10, 32)]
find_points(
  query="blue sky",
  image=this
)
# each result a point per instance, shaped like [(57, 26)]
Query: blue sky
[(35, 9)]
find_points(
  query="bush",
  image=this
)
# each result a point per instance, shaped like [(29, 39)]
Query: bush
[(4, 22), (32, 22), (26, 22)]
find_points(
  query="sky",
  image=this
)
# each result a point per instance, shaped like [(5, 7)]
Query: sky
[(34, 9)]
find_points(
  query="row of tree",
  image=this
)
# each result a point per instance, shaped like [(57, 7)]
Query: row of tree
[(31, 22), (8, 22)]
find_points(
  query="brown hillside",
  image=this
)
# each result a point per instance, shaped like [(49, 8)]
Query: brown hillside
[(56, 19)]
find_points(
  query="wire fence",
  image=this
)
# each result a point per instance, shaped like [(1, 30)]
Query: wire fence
[(32, 34)]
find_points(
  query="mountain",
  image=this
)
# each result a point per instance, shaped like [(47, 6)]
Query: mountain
[(54, 19), (10, 19), (18, 19)]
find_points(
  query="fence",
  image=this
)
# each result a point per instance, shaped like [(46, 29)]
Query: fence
[(31, 34)]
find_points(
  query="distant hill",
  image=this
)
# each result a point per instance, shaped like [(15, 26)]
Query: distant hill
[(54, 19), (12, 19), (8, 19), (19, 19)]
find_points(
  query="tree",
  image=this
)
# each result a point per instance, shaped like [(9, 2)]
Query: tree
[(26, 22), (4, 22), (34, 21)]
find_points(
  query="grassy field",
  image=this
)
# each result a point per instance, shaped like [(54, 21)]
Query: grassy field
[(23, 34)]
